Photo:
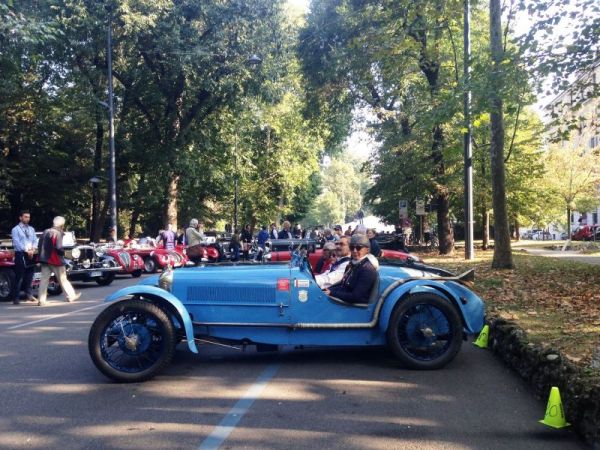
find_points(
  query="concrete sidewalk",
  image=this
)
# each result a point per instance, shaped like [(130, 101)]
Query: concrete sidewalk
[(569, 255)]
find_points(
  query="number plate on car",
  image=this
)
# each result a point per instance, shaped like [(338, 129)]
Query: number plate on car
[(37, 276), (96, 273)]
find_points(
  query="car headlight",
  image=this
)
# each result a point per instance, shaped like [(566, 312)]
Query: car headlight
[(76, 253), (165, 281)]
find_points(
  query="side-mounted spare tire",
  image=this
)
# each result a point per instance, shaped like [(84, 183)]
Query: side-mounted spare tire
[(425, 331), (131, 341)]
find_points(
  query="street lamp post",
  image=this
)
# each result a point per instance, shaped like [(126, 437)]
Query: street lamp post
[(111, 171), (94, 181)]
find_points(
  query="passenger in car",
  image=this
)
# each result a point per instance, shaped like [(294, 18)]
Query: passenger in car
[(336, 271), (327, 259), (360, 276)]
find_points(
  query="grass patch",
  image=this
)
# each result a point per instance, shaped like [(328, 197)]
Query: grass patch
[(557, 302)]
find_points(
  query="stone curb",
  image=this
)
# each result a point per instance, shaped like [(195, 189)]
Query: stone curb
[(544, 367)]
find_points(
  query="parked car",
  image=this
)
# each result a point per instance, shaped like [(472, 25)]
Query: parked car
[(131, 263), (158, 258), (7, 274), (421, 313), (586, 233), (88, 262), (315, 255)]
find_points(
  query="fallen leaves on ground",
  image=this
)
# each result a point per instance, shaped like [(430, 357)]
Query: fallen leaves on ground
[(556, 301)]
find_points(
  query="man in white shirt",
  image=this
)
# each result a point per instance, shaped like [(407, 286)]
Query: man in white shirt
[(336, 271)]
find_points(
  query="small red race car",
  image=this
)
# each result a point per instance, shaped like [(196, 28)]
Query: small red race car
[(130, 262), (155, 258)]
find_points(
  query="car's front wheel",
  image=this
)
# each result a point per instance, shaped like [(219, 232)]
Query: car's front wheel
[(136, 273), (425, 331), (131, 341), (105, 279), (7, 281)]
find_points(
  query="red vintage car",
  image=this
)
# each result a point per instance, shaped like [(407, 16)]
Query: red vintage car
[(155, 258), (7, 277), (314, 257), (131, 262)]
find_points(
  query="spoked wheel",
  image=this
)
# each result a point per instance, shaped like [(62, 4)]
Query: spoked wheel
[(149, 265), (131, 341), (425, 331)]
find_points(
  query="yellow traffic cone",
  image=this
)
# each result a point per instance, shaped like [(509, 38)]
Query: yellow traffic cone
[(555, 414), (482, 339)]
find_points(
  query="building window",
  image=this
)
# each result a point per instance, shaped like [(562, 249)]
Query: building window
[(594, 142), (595, 218)]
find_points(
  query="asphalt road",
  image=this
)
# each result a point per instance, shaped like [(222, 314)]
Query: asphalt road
[(52, 397)]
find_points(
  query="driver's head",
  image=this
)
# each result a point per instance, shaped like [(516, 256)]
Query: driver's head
[(359, 246), (342, 247)]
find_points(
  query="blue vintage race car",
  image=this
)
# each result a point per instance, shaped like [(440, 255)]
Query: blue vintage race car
[(421, 313)]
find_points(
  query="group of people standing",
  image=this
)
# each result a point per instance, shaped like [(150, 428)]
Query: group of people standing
[(50, 255)]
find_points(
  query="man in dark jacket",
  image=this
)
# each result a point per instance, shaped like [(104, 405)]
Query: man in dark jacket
[(52, 260), (360, 276)]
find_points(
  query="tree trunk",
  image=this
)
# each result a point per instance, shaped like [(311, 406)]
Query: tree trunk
[(170, 216), (502, 250), (446, 233), (568, 223), (485, 218), (517, 230)]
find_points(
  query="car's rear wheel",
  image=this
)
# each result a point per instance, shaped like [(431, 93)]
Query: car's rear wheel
[(425, 331), (136, 273), (105, 279), (149, 265), (131, 341), (7, 281)]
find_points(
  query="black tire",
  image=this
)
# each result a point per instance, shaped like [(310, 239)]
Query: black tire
[(137, 319), (149, 265), (136, 273), (54, 287), (105, 279), (425, 331), (7, 283)]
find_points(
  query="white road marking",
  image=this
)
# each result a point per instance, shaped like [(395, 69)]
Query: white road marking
[(235, 414), (14, 327)]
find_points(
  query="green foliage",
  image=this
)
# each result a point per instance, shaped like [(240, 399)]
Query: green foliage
[(187, 105)]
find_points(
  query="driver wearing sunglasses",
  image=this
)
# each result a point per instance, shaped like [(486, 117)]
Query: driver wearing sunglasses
[(360, 274)]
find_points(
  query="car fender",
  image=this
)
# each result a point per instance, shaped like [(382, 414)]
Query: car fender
[(414, 287), (154, 292)]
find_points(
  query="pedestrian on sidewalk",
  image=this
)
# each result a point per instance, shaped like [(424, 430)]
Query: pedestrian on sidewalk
[(52, 259), (24, 244)]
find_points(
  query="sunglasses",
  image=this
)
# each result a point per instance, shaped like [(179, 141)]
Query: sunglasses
[(356, 247)]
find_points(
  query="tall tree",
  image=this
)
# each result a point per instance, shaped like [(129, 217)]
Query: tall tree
[(502, 247)]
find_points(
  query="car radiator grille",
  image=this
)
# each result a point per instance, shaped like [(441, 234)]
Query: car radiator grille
[(231, 295), (126, 258)]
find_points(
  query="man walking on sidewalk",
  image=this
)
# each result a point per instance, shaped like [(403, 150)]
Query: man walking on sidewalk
[(52, 259)]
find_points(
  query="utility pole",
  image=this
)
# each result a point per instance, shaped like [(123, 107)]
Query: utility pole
[(111, 172), (468, 151)]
